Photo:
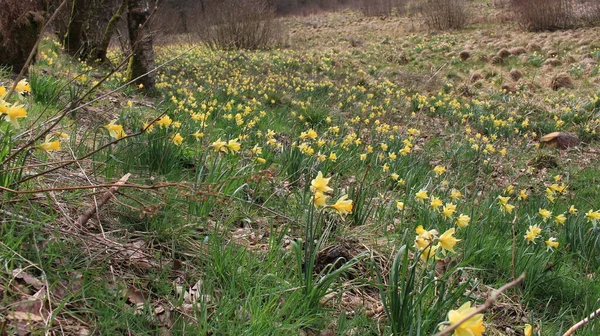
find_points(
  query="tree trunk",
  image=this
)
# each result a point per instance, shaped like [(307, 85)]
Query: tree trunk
[(140, 39), (74, 40), (20, 26), (100, 52)]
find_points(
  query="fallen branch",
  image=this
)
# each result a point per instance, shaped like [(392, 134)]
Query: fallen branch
[(487, 304), (107, 196), (581, 323)]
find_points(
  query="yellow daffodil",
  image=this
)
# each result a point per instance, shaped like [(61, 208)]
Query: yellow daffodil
[(573, 210), (233, 145), (177, 139), (560, 219), (522, 195), (148, 127), (424, 238), (528, 331), (448, 210), (421, 196), (319, 184), (13, 113), (219, 145), (23, 86), (2, 91), (447, 240), (428, 252), (545, 214), (49, 145), (3, 106), (455, 194), (439, 170), (115, 131), (165, 121), (62, 135), (463, 221), (593, 216), (436, 203), (471, 327), (399, 205), (320, 199), (261, 160), (551, 243), (343, 205), (532, 233), (198, 135)]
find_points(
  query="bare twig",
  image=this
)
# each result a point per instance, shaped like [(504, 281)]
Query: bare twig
[(487, 304), (581, 323), (107, 196)]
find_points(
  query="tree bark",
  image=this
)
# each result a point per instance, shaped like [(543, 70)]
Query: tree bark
[(100, 52), (140, 39), (20, 26), (74, 39)]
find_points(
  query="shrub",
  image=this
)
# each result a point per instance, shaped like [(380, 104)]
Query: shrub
[(538, 15), (381, 7), (241, 24), (444, 14)]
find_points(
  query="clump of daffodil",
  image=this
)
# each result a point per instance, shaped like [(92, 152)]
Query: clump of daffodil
[(532, 233), (115, 131), (504, 205), (165, 121), (471, 327)]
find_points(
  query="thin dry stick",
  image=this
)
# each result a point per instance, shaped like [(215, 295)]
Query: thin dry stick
[(107, 196), (487, 304), (581, 323)]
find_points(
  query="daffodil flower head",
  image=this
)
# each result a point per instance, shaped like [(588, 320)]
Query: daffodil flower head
[(447, 240), (233, 145), (421, 195), (320, 184), (343, 205), (115, 131), (177, 139), (49, 145), (471, 327), (13, 113)]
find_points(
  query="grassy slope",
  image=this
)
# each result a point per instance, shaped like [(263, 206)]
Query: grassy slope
[(226, 235)]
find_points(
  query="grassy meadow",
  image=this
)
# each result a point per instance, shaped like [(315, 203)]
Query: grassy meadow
[(366, 178)]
